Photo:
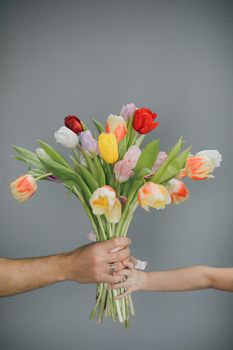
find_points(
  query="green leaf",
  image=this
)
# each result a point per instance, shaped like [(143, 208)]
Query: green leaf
[(66, 175), (90, 163), (142, 173), (148, 156), (27, 156), (101, 175), (122, 147), (86, 176), (175, 166), (99, 126), (108, 173), (57, 157), (172, 155)]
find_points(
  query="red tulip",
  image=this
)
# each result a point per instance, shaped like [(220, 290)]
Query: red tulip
[(143, 121), (74, 124)]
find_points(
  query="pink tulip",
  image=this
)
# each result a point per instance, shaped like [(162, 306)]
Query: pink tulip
[(132, 155), (123, 170)]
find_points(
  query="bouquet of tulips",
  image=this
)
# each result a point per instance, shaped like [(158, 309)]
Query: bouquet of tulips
[(111, 175)]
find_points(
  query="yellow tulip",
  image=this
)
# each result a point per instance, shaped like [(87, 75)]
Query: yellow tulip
[(108, 147)]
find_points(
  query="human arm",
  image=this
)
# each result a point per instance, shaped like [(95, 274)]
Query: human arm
[(185, 279), (86, 264)]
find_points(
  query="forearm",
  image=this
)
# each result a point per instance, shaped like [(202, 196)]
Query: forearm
[(191, 278), (21, 275)]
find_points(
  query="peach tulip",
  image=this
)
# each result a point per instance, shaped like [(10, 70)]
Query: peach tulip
[(117, 125), (104, 201), (153, 195), (23, 187)]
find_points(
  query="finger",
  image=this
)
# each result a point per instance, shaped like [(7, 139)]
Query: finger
[(124, 284), (119, 256), (125, 272), (133, 260), (121, 296), (128, 264), (119, 266), (113, 279), (114, 243)]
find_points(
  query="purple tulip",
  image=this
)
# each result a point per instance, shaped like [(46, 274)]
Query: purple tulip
[(132, 155), (88, 142), (159, 161), (53, 178), (123, 170), (128, 110)]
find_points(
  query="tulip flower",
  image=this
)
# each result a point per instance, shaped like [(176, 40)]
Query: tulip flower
[(153, 195), (41, 153), (88, 142), (108, 147), (177, 190), (201, 165), (132, 155), (143, 121), (214, 155), (104, 201), (117, 125), (159, 161), (123, 170), (66, 137), (23, 187), (73, 123), (128, 110)]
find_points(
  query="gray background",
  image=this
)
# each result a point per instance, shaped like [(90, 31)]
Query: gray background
[(174, 57)]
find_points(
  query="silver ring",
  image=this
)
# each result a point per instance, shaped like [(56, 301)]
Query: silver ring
[(112, 268)]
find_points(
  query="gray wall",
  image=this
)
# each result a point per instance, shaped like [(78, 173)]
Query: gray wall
[(89, 58)]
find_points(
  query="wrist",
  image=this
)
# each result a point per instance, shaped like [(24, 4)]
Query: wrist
[(69, 265), (143, 285), (63, 266)]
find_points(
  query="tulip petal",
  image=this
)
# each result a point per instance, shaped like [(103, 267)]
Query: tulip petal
[(113, 215)]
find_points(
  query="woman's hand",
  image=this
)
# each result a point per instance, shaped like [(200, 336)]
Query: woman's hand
[(132, 280)]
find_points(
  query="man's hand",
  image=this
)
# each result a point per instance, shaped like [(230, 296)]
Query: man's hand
[(87, 264), (91, 263)]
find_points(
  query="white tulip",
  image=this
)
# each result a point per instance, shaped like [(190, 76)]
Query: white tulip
[(41, 153), (66, 137), (214, 155)]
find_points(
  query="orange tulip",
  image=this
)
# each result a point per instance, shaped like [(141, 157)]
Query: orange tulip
[(201, 165), (23, 187), (117, 125), (177, 190)]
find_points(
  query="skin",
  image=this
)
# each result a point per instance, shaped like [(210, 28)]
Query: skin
[(186, 279), (86, 264)]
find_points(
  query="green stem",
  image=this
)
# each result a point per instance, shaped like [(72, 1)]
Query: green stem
[(93, 312), (104, 238), (134, 191), (88, 211), (42, 176)]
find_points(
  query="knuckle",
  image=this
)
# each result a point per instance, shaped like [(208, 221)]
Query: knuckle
[(116, 241)]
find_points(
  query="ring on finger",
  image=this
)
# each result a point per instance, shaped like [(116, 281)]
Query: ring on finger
[(112, 268)]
